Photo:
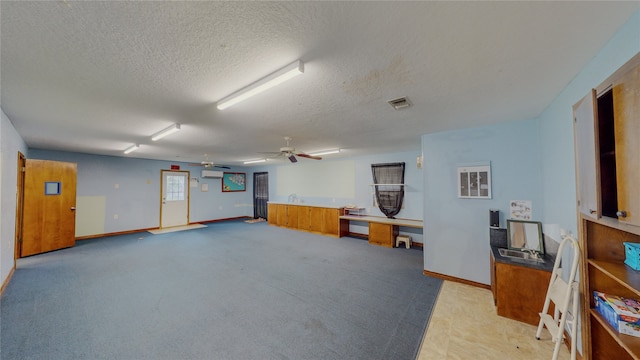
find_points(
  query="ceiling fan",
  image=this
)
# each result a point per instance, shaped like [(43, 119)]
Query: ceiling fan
[(207, 164), (290, 153)]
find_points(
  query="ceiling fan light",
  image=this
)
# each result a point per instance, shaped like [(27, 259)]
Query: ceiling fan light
[(326, 152), (255, 161), (294, 69), (131, 149), (170, 130)]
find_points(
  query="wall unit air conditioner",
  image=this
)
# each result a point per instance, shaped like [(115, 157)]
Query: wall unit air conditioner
[(212, 174)]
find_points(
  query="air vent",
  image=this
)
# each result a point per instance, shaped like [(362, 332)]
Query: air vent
[(399, 103)]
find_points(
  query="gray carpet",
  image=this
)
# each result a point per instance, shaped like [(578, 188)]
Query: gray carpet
[(229, 291)]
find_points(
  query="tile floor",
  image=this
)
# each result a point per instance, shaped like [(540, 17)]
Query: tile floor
[(464, 325)]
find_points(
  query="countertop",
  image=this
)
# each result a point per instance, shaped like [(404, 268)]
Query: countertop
[(306, 204), (547, 265)]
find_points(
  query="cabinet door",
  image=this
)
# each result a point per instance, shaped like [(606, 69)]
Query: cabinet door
[(282, 215), (292, 216), (272, 210), (586, 160), (303, 218), (316, 219), (331, 222), (626, 107)]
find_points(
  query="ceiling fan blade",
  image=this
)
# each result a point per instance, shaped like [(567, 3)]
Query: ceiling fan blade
[(196, 164), (221, 166), (310, 156), (292, 158)]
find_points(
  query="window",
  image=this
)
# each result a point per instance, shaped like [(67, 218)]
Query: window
[(388, 182), (175, 187)]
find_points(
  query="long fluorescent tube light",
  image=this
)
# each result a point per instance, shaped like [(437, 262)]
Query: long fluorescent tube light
[(170, 130), (132, 148), (267, 82), (255, 161), (327, 152)]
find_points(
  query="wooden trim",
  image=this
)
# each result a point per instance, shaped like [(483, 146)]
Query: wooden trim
[(456, 279), (6, 281)]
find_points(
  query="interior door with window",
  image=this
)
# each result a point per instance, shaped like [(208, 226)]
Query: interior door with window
[(174, 206), (260, 194), (49, 204)]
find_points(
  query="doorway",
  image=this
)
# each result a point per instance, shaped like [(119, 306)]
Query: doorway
[(174, 200), (260, 194)]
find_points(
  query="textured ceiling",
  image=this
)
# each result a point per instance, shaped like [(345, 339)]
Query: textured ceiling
[(97, 77)]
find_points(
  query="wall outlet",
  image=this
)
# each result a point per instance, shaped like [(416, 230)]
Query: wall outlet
[(115, 216), (116, 186)]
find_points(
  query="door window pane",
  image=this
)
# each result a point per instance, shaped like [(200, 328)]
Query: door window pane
[(175, 187)]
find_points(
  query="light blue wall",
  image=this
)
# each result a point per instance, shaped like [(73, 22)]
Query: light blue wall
[(531, 159), (556, 125), (457, 230), (136, 200), (10, 144)]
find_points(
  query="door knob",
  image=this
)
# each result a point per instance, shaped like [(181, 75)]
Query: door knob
[(621, 213), (73, 208)]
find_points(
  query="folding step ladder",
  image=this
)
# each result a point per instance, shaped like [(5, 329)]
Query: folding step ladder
[(562, 293)]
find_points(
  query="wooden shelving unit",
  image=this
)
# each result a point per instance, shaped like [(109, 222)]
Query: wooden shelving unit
[(608, 167)]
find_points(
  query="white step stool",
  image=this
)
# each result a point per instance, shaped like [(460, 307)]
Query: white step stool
[(403, 238)]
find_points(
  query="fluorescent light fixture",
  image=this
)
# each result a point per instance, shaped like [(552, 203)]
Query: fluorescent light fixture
[(267, 82), (255, 161), (132, 148), (326, 152), (170, 130)]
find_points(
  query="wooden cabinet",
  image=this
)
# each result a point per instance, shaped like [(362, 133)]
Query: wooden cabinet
[(606, 272), (304, 219), (382, 234), (316, 219), (272, 213), (626, 115), (519, 291), (331, 221), (607, 128), (616, 142)]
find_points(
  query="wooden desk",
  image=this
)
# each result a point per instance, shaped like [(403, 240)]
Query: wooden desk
[(382, 230)]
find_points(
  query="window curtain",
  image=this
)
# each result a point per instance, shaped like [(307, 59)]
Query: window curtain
[(260, 194), (389, 197)]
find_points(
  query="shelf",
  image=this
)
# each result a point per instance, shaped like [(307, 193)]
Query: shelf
[(620, 273), (630, 344)]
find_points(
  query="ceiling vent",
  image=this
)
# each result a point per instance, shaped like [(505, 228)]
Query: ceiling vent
[(399, 103)]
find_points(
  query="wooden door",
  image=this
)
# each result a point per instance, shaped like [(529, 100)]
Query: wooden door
[(626, 107), (586, 160), (49, 218)]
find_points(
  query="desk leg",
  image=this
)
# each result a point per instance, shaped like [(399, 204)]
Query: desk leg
[(344, 227)]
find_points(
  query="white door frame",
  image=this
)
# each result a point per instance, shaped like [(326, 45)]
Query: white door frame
[(174, 216)]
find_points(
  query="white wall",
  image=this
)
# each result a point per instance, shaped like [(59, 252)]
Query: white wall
[(10, 144)]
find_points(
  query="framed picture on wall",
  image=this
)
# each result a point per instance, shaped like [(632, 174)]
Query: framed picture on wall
[(234, 182), (474, 182)]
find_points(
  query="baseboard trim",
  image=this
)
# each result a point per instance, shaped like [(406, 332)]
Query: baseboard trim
[(456, 279), (6, 281), (94, 236)]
